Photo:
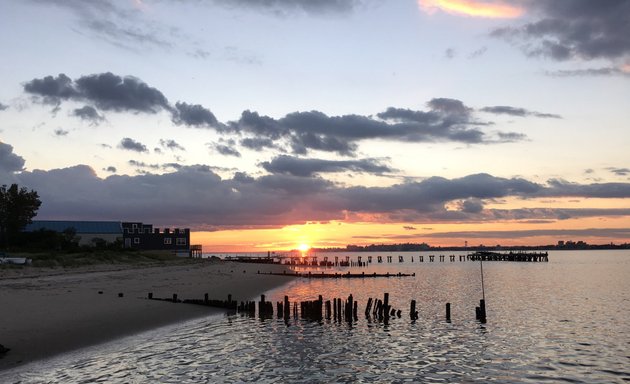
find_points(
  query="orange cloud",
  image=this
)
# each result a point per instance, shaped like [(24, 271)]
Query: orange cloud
[(474, 8)]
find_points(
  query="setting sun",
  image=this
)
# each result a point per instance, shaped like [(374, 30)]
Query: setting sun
[(303, 247)]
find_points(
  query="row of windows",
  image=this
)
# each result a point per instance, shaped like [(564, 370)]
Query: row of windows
[(150, 230), (167, 240), (178, 241)]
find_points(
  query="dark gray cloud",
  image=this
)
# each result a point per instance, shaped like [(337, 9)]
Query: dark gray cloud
[(51, 89), (409, 228), (450, 53), (520, 112), (604, 71), (562, 188), (132, 145), (142, 164), (472, 205), (286, 7), (61, 132), (308, 167), (9, 161), (225, 148), (171, 144), (3, 107), (570, 29), (110, 169), (257, 143), (112, 92), (446, 120), (194, 115), (561, 233), (619, 171), (106, 91), (88, 113)]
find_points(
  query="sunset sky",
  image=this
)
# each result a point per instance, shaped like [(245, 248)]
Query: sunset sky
[(266, 124)]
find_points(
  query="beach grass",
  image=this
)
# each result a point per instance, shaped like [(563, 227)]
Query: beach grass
[(64, 259)]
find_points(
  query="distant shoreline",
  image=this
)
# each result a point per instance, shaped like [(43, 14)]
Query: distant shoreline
[(425, 248)]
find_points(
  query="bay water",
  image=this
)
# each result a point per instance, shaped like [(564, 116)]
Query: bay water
[(567, 320)]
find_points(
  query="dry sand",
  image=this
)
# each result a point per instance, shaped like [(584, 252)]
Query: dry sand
[(47, 312)]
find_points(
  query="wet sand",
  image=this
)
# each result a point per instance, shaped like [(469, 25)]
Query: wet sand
[(48, 312)]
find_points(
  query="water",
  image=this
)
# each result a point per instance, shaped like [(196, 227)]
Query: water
[(563, 321)]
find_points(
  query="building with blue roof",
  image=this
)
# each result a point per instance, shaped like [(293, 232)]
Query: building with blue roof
[(136, 235), (85, 231)]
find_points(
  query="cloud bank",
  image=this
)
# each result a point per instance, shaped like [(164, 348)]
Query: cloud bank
[(210, 202)]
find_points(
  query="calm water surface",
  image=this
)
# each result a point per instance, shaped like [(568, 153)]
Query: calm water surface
[(563, 321)]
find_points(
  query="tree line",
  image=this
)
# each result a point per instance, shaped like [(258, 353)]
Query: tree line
[(18, 206)]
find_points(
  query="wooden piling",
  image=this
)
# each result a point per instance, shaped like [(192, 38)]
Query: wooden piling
[(368, 307), (327, 309), (287, 308), (448, 312), (412, 310), (150, 295), (174, 297), (339, 313)]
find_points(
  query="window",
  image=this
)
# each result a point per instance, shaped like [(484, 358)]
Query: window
[(136, 240), (168, 241), (181, 241)]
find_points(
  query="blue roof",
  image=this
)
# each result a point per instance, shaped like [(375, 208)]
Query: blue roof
[(91, 227)]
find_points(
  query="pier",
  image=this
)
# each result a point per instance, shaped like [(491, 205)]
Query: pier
[(509, 256), (347, 261)]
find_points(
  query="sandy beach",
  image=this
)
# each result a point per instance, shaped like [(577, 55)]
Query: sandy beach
[(45, 312)]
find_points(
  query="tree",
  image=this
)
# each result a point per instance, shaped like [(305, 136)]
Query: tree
[(18, 206)]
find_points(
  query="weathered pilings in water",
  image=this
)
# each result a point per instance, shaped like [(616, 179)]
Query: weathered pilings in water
[(339, 310), (265, 308), (480, 311), (368, 307), (337, 275), (413, 314)]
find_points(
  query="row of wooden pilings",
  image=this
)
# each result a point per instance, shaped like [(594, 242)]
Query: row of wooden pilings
[(338, 310), (360, 263)]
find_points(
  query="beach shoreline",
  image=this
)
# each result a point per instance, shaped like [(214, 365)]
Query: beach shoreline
[(46, 312)]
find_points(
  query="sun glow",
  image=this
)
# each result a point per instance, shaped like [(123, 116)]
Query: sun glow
[(303, 247)]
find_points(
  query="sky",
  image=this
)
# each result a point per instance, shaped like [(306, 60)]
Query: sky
[(268, 124)]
